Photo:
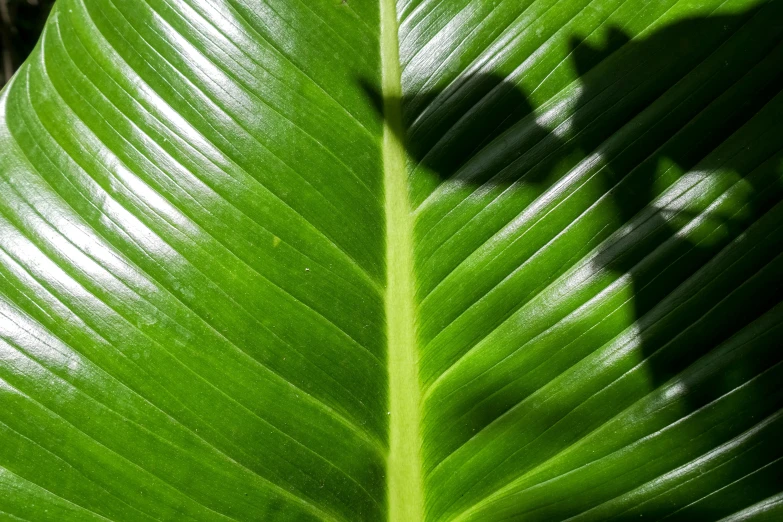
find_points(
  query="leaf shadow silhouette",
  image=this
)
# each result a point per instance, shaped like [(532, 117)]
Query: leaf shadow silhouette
[(670, 128)]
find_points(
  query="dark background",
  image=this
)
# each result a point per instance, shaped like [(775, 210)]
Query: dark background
[(21, 24)]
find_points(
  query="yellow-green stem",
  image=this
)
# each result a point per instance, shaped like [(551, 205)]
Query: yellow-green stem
[(406, 501)]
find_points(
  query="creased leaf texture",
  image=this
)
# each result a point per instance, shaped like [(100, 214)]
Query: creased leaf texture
[(597, 190), (251, 251), (191, 265)]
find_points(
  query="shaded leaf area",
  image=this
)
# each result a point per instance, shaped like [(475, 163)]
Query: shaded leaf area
[(597, 189)]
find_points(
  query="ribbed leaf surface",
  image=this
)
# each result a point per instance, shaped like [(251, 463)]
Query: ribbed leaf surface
[(352, 260)]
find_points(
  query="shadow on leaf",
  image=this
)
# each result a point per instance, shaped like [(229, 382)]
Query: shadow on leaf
[(665, 143)]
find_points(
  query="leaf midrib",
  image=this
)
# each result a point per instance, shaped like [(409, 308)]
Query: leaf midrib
[(403, 474)]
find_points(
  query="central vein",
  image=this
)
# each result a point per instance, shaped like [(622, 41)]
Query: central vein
[(404, 482)]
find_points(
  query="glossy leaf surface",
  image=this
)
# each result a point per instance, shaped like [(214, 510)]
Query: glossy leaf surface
[(432, 260)]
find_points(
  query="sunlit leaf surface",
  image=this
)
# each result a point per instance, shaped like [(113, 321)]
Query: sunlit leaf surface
[(357, 260)]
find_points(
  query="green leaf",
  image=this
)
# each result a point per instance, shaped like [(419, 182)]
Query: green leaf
[(365, 260)]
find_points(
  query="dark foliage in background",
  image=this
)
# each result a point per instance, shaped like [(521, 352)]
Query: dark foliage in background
[(22, 21)]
